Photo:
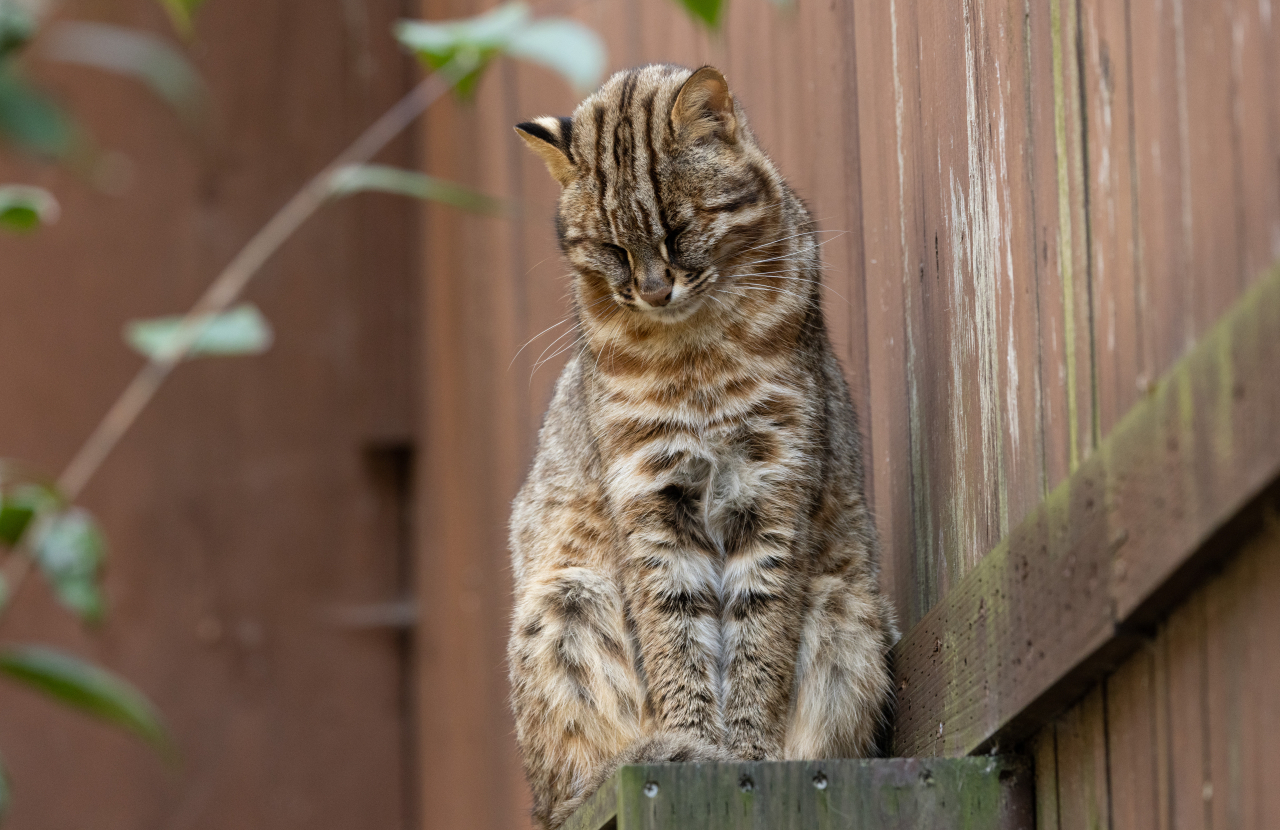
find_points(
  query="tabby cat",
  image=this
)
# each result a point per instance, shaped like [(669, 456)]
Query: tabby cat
[(695, 565)]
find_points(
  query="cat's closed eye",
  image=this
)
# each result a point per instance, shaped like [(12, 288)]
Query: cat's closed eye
[(620, 254), (671, 242)]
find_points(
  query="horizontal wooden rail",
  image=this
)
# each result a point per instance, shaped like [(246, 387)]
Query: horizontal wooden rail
[(993, 793), (1081, 581)]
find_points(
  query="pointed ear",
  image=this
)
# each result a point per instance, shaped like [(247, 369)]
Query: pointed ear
[(552, 139), (704, 106)]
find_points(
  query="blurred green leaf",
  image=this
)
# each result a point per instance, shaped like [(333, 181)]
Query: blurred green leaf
[(182, 12), (361, 177), (87, 687), (17, 26), (4, 591), (14, 520), (566, 46), (22, 497), (70, 549), (463, 48), (164, 69), (24, 208), (240, 331), (708, 11), (30, 119)]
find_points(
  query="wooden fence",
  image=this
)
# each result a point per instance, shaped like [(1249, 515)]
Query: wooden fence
[(1039, 210), (1042, 207)]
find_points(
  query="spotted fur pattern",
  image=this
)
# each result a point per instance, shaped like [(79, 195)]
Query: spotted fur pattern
[(695, 564)]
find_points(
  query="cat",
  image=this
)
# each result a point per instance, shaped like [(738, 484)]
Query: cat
[(695, 564)]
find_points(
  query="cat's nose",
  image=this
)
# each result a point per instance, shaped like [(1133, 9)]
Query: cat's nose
[(657, 297)]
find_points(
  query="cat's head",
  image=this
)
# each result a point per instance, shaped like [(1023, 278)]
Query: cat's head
[(665, 192)]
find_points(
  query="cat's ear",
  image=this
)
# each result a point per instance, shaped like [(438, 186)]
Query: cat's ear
[(552, 138), (704, 106)]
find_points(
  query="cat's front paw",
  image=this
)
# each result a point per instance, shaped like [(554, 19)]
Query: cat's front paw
[(754, 748), (672, 747)]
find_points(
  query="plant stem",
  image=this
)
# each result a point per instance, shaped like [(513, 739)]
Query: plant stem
[(219, 296), (230, 284)]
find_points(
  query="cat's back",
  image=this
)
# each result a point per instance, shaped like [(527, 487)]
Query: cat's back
[(564, 481)]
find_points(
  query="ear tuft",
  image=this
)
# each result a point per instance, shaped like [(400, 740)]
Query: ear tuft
[(552, 139), (704, 106)]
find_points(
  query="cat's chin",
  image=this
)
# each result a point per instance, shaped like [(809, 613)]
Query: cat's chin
[(674, 313)]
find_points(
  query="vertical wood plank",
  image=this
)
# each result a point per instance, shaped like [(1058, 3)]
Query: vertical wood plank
[(1084, 799), (1044, 749), (1073, 203), (1010, 134), (472, 433), (1044, 64), (1208, 95), (884, 75), (1255, 49), (1133, 745), (1260, 735), (1188, 751), (1162, 186), (1111, 231)]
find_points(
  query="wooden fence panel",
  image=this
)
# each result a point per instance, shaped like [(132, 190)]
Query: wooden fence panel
[(1190, 725), (1046, 205)]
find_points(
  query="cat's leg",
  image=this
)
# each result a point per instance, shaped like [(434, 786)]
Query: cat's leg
[(671, 578), (763, 591), (842, 675), (575, 691)]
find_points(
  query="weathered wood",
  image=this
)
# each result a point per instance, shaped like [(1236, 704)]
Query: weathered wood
[(994, 793), (1134, 743), (1055, 604), (1084, 780), (1044, 751)]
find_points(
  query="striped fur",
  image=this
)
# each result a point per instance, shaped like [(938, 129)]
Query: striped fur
[(694, 560)]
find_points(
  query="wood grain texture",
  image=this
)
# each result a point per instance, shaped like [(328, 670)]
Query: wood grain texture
[(1083, 765), (1114, 547), (1189, 719), (1035, 236), (906, 793)]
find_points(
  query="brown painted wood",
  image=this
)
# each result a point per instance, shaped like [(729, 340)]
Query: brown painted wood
[(1083, 765), (1115, 546), (987, 366), (1133, 745), (891, 340), (1113, 241), (1162, 189), (1043, 747), (1079, 327), (1190, 783), (257, 497)]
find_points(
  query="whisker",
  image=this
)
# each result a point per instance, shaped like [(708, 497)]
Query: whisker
[(776, 241)]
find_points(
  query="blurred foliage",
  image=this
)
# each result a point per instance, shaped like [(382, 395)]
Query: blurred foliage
[(86, 687), (706, 11), (463, 49), (182, 12), (24, 208), (241, 331), (358, 178)]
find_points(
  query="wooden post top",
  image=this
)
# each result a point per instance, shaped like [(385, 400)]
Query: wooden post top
[(993, 792)]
